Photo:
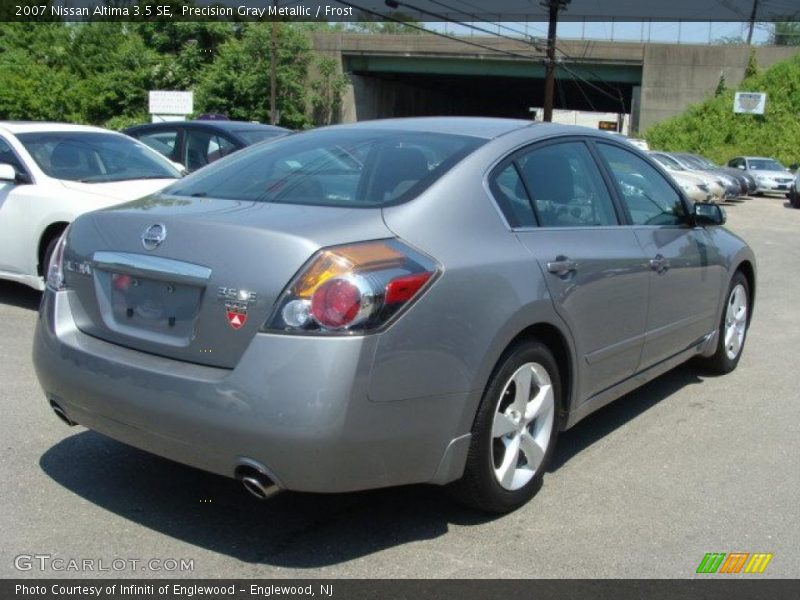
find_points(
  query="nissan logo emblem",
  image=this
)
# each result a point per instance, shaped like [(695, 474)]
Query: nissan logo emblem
[(153, 236)]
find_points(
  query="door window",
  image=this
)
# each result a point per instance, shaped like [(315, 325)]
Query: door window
[(511, 197), (648, 196), (165, 142), (204, 147), (566, 187)]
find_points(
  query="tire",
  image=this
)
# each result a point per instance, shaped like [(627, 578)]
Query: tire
[(794, 199), (483, 486), (727, 355), (48, 253)]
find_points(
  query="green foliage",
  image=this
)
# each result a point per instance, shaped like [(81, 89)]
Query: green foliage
[(786, 34), (711, 128), (237, 83), (100, 72), (327, 91), (752, 65), (722, 86)]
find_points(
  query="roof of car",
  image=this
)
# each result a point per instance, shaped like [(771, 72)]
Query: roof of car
[(216, 124), (46, 127), (755, 157)]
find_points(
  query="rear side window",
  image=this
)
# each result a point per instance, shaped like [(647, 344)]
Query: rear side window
[(164, 142), (351, 168), (509, 191), (566, 187), (648, 196)]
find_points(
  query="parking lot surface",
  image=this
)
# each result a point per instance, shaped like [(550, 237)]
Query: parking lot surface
[(688, 464)]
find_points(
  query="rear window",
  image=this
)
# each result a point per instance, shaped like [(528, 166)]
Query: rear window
[(350, 168), (253, 136)]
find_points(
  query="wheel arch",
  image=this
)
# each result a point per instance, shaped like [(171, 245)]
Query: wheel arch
[(748, 270), (54, 229), (557, 342)]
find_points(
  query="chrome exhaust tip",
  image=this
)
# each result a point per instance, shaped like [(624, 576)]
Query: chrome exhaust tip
[(61, 414), (256, 482)]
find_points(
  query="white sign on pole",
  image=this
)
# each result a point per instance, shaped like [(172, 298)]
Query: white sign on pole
[(171, 103), (749, 103)]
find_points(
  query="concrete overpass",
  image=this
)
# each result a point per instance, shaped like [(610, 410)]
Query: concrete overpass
[(411, 75)]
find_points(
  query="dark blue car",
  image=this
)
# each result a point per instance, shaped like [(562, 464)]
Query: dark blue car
[(194, 144)]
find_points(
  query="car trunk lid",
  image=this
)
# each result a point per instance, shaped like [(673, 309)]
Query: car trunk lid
[(194, 279)]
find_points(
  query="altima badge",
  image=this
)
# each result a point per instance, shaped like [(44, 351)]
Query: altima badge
[(153, 236)]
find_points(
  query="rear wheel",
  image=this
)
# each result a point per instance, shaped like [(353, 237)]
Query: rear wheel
[(514, 431), (794, 198), (733, 327)]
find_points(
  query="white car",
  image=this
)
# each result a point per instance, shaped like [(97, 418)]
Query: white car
[(52, 172), (698, 186), (770, 175)]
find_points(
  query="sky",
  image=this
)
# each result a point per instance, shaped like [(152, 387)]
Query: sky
[(683, 32)]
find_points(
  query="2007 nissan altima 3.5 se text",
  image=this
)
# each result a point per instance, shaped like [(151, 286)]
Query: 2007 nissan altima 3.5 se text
[(389, 302)]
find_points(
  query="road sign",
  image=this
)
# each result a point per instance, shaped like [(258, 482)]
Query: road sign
[(749, 103), (171, 103)]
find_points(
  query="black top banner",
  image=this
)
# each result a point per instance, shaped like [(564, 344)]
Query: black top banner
[(418, 10)]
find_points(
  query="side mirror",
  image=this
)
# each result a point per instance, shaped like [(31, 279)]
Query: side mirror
[(742, 167), (708, 213), (7, 173)]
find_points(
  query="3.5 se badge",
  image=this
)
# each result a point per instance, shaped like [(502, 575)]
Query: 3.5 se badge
[(236, 303)]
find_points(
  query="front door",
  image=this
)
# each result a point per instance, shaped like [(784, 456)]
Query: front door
[(594, 268), (685, 268)]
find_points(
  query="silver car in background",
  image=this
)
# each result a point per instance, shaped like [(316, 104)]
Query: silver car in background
[(389, 302)]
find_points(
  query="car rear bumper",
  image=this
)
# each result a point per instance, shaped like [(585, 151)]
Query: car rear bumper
[(296, 405)]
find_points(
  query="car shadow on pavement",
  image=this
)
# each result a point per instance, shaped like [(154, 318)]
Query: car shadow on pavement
[(613, 416), (16, 294), (291, 530)]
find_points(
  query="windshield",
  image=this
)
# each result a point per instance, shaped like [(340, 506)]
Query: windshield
[(765, 164), (253, 136), (668, 162), (705, 162), (351, 168), (95, 157)]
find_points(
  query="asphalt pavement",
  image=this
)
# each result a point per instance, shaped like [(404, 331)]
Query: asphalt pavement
[(687, 465)]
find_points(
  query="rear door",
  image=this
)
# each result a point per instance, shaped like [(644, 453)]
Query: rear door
[(594, 268), (685, 267)]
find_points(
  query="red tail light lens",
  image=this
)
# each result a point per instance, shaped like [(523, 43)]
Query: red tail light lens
[(353, 288)]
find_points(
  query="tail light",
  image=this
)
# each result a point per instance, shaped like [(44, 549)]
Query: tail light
[(351, 289), (55, 270)]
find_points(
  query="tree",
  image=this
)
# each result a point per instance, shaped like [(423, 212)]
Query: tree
[(752, 65), (722, 86), (786, 34), (237, 82), (327, 91)]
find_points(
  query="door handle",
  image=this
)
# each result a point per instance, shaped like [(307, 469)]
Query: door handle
[(562, 266), (659, 264)]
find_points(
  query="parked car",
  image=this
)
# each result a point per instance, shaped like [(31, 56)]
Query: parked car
[(707, 181), (389, 302), (194, 144), (746, 180), (770, 175), (638, 142), (734, 187), (52, 172), (697, 187), (794, 191)]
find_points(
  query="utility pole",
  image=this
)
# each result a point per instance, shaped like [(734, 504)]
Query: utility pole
[(753, 16), (550, 70), (273, 66)]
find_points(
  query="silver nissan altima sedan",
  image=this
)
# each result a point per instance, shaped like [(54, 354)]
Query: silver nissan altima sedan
[(390, 302)]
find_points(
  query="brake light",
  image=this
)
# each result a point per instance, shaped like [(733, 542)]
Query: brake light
[(352, 288)]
